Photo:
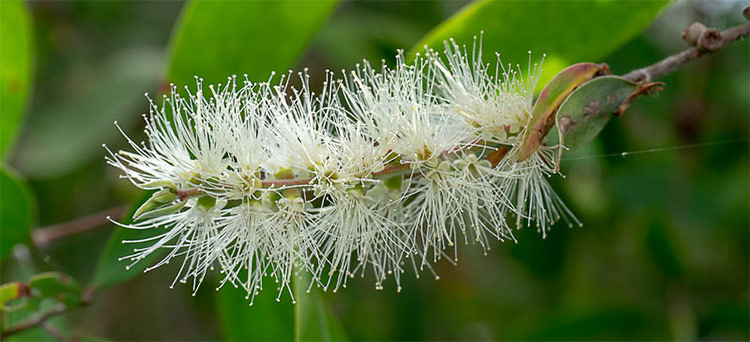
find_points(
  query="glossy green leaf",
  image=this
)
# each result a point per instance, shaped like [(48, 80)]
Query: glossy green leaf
[(567, 31), (265, 320), (588, 109), (15, 212), (313, 319), (112, 91), (16, 64), (217, 39), (546, 105), (110, 270)]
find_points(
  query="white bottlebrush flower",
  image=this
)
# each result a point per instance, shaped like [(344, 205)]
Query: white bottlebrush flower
[(263, 241), (190, 234), (268, 179), (202, 150), (496, 104), (459, 200), (355, 235), (399, 110), (299, 128), (237, 115), (534, 198)]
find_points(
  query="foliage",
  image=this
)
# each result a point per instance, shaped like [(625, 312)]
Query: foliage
[(218, 39), (514, 27)]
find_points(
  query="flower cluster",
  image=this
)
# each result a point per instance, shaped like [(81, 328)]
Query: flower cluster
[(384, 169)]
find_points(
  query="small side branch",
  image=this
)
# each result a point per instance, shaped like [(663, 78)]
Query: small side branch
[(35, 321), (45, 235), (705, 41)]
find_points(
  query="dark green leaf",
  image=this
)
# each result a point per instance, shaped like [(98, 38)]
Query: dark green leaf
[(265, 320), (567, 31), (15, 212), (217, 39), (110, 270), (313, 319), (16, 65)]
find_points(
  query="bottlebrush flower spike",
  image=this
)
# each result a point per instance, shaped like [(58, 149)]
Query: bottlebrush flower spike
[(384, 169)]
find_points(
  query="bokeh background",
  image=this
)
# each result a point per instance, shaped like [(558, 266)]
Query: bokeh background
[(663, 253)]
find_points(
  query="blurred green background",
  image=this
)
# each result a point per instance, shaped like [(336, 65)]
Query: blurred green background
[(663, 253)]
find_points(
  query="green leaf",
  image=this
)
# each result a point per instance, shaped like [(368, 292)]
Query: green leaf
[(15, 212), (57, 286), (265, 320), (588, 109), (551, 97), (111, 91), (217, 39), (16, 65), (268, 319), (313, 319), (110, 270), (567, 31)]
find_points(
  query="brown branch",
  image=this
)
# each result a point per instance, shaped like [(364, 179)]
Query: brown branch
[(45, 235), (285, 182), (388, 169), (706, 40), (184, 194), (35, 321)]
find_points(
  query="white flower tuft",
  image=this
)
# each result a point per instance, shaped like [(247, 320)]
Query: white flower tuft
[(381, 168)]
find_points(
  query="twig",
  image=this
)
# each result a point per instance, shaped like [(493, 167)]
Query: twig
[(707, 41), (35, 321), (389, 169), (285, 182), (185, 193), (45, 235)]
